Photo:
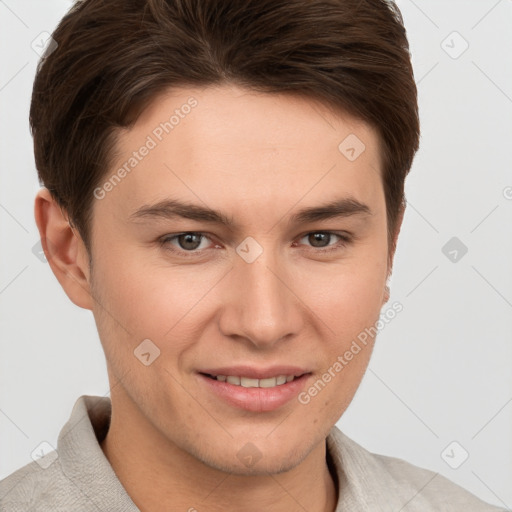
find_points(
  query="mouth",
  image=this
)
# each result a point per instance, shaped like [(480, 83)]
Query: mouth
[(255, 390), (248, 382)]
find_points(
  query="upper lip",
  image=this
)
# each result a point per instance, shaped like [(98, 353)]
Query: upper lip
[(255, 373)]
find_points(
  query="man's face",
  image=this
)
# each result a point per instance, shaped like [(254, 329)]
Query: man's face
[(269, 296)]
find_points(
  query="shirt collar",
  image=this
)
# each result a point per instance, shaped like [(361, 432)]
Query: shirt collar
[(359, 479), (82, 459)]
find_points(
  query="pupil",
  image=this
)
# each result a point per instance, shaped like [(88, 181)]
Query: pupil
[(187, 241), (319, 237)]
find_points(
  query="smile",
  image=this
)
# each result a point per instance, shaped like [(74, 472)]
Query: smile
[(252, 388), (247, 382)]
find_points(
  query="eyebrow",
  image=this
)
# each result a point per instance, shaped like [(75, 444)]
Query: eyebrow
[(169, 209)]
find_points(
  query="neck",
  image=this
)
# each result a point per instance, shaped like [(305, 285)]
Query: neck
[(160, 476)]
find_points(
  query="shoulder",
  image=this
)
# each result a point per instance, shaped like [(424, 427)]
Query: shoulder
[(76, 476), (432, 489), (383, 479), (41, 487)]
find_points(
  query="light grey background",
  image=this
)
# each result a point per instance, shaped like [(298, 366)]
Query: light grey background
[(441, 371)]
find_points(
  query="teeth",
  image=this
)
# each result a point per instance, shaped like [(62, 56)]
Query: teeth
[(268, 383), (247, 382)]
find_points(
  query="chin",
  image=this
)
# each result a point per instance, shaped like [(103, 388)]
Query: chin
[(251, 461)]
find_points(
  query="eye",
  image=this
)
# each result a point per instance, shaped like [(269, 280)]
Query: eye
[(190, 241), (321, 240)]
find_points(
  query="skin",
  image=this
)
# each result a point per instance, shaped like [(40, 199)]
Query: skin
[(258, 158)]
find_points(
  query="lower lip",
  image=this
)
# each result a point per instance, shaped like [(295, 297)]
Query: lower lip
[(256, 399)]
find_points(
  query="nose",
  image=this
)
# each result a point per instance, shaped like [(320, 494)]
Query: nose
[(261, 307)]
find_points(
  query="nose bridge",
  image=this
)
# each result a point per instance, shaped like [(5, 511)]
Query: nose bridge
[(264, 310)]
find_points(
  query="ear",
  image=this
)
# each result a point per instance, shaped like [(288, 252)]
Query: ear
[(64, 249), (392, 249)]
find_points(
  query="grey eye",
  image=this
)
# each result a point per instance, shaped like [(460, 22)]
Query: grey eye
[(319, 239), (189, 241)]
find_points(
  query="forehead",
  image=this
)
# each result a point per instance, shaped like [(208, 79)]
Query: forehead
[(257, 148), (231, 117)]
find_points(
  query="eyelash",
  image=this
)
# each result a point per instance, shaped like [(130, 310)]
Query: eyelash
[(345, 239)]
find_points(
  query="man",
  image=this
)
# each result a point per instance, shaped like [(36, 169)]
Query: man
[(223, 189)]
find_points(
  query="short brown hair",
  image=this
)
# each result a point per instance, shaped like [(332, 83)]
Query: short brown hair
[(114, 56)]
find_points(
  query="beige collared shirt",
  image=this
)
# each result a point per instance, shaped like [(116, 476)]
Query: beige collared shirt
[(78, 476)]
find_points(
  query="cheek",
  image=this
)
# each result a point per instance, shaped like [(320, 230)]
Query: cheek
[(155, 301), (349, 311), (349, 296)]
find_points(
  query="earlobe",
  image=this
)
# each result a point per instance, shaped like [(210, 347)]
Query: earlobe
[(387, 293), (64, 249)]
